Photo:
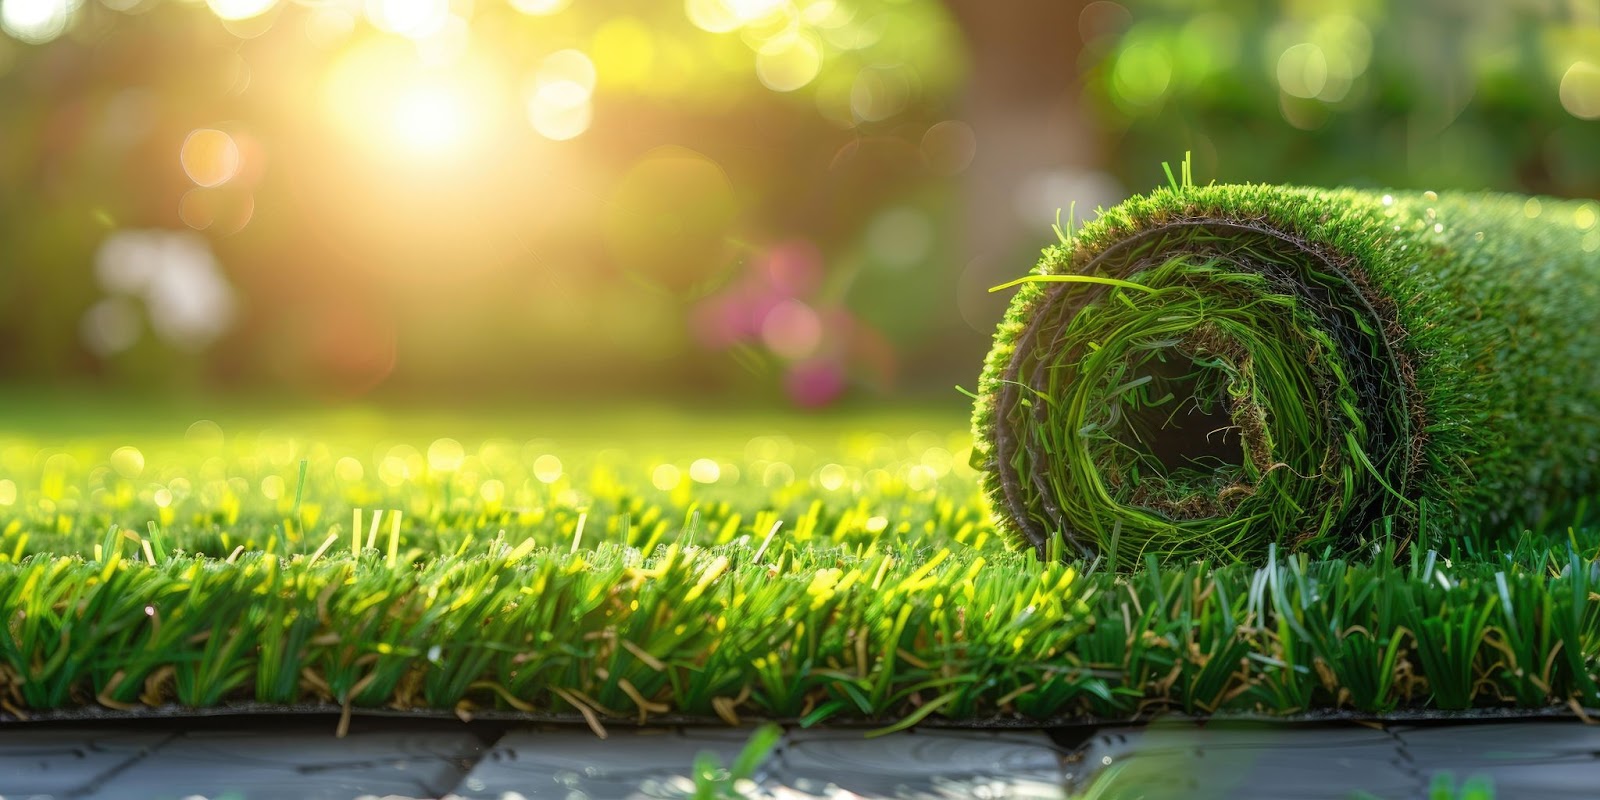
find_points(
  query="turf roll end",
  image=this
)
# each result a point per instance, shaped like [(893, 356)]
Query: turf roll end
[(1209, 371)]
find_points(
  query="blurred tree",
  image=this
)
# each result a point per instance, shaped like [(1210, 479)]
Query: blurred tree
[(415, 196), (1432, 94)]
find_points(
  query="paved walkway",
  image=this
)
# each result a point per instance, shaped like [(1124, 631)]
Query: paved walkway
[(269, 758)]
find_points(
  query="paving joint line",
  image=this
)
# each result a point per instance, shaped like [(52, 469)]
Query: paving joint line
[(98, 782)]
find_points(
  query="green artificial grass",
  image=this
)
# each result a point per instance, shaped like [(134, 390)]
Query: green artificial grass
[(1208, 371), (730, 570)]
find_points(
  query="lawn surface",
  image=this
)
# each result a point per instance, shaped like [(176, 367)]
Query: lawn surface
[(639, 565)]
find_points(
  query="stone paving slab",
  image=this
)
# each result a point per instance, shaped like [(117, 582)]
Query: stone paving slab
[(646, 765), (69, 762), (305, 761), (1535, 760), (311, 764), (1524, 760), (262, 759), (572, 764), (1222, 761), (932, 764)]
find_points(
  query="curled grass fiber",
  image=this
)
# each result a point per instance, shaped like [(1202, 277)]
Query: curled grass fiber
[(1207, 371)]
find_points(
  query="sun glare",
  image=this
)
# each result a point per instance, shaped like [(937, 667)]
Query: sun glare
[(383, 96), (430, 118)]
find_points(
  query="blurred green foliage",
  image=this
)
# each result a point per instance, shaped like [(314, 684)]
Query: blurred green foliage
[(759, 198), (1431, 94)]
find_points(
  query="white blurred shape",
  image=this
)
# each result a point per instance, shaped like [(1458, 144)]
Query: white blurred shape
[(1580, 90), (240, 9), (540, 8), (110, 326), (36, 21), (1041, 195), (413, 19), (559, 105), (209, 157), (188, 300), (786, 63), (430, 117)]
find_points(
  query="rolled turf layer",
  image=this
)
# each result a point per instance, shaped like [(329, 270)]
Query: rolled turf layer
[(1206, 371)]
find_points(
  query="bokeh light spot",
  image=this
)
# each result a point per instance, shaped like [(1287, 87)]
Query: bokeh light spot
[(704, 470), (329, 25), (559, 106), (492, 492), (547, 468), (540, 8), (1141, 75), (1303, 70), (792, 330), (1585, 217), (878, 94), (8, 493), (272, 487), (665, 477), (569, 66), (777, 475), (414, 19), (445, 455), (128, 461), (36, 21), (110, 326), (240, 9), (712, 16), (948, 147), (754, 10), (786, 63), (203, 434), (1580, 90), (554, 115), (832, 477), (348, 470), (210, 157)]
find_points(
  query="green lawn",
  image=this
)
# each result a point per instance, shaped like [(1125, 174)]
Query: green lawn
[(638, 565)]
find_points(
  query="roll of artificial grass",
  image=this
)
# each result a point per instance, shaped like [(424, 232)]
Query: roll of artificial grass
[(1207, 371)]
